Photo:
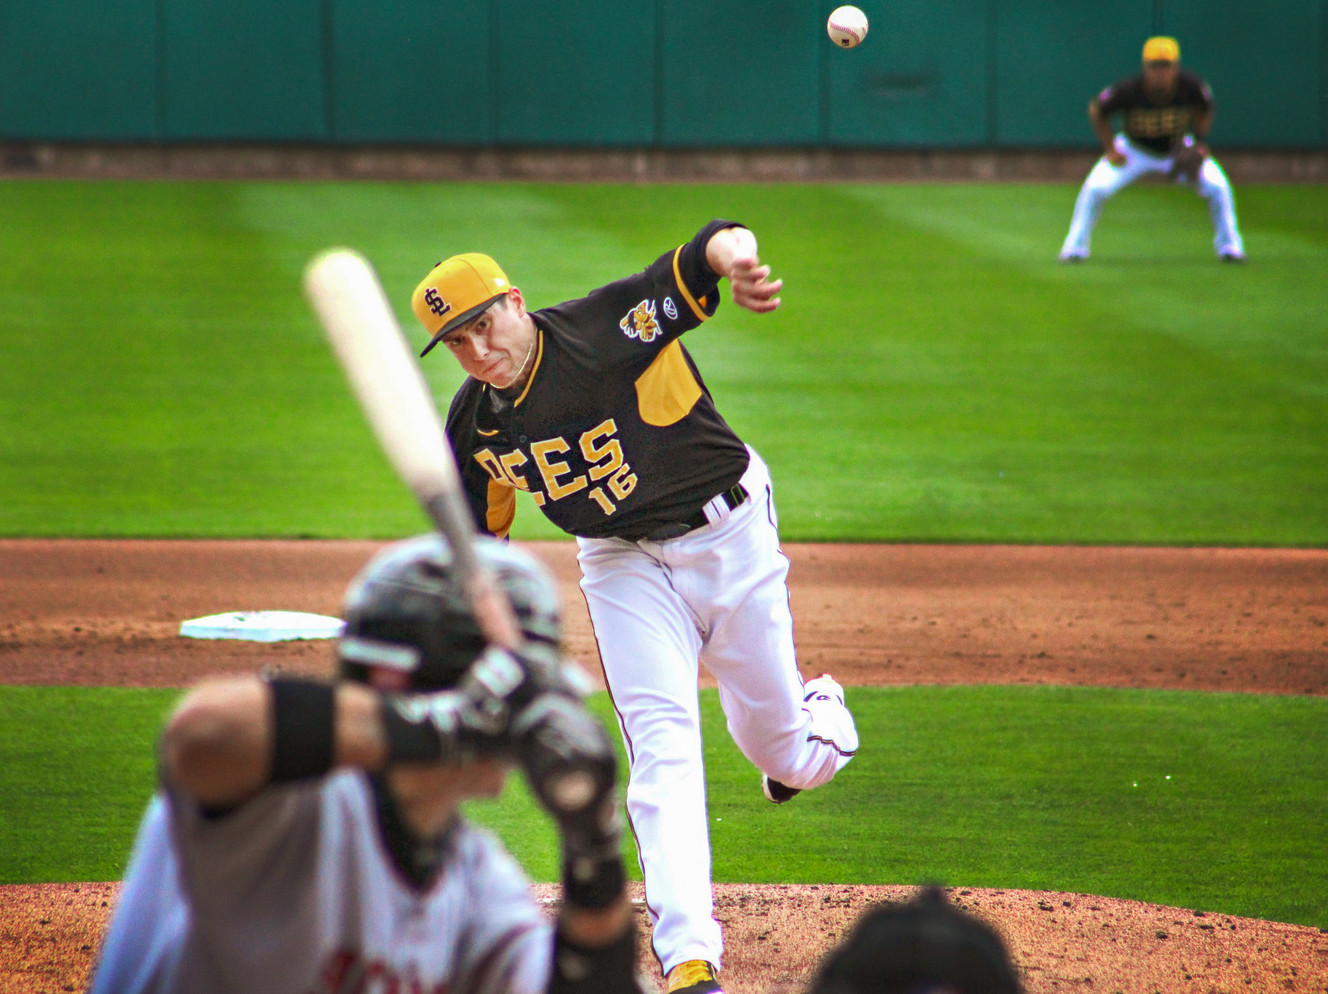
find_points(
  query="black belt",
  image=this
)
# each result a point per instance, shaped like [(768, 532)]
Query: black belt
[(733, 496)]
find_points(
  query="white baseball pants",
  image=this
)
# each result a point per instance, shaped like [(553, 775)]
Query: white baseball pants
[(1105, 180), (716, 595)]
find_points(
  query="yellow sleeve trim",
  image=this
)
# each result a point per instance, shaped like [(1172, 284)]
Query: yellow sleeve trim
[(667, 391), (502, 509), (697, 308)]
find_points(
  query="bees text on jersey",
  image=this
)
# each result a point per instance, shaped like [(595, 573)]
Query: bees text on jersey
[(1155, 126), (614, 433)]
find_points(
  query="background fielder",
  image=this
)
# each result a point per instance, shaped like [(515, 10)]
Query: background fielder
[(1167, 113), (306, 838), (595, 408)]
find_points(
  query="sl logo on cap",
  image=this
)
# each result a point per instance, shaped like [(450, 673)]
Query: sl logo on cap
[(640, 322), (437, 305)]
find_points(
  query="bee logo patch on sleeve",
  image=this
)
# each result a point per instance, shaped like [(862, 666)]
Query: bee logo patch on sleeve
[(640, 322)]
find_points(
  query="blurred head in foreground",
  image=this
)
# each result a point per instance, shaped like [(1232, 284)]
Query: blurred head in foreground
[(925, 946)]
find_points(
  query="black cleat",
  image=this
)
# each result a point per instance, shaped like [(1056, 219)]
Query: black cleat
[(776, 791)]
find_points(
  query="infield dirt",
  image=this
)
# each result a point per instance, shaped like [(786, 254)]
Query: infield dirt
[(1251, 620)]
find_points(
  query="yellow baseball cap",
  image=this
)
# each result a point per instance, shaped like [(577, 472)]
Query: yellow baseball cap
[(457, 290), (1161, 49)]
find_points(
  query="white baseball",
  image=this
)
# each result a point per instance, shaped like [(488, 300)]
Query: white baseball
[(847, 26)]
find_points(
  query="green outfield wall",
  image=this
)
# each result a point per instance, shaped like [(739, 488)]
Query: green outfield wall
[(655, 73)]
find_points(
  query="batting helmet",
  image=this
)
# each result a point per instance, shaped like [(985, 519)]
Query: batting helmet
[(406, 611), (923, 946)]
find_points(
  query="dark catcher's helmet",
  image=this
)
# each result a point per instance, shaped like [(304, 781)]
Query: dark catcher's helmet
[(925, 945), (406, 611)]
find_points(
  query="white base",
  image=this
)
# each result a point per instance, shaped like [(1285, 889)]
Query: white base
[(263, 626)]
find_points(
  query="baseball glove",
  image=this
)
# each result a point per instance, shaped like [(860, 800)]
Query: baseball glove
[(1187, 162)]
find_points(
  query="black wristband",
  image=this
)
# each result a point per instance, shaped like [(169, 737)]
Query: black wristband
[(303, 728), (409, 740), (592, 883), (582, 969)]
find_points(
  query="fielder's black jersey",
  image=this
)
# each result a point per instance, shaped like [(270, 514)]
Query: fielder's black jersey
[(1158, 126), (614, 434)]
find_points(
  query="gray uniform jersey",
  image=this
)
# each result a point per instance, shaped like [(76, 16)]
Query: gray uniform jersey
[(295, 893)]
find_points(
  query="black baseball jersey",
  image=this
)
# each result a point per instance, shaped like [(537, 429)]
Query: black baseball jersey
[(1156, 126), (614, 433)]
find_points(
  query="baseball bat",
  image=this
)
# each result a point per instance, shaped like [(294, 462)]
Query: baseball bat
[(345, 293)]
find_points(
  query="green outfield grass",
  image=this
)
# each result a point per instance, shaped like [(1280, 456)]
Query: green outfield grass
[(1211, 801), (933, 375), (77, 766)]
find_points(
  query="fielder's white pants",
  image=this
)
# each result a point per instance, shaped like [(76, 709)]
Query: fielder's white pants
[(1105, 180), (717, 595)]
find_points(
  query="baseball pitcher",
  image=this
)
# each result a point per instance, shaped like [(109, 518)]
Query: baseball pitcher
[(595, 409)]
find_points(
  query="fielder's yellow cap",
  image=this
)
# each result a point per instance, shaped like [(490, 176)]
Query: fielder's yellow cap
[(457, 290), (1161, 49)]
